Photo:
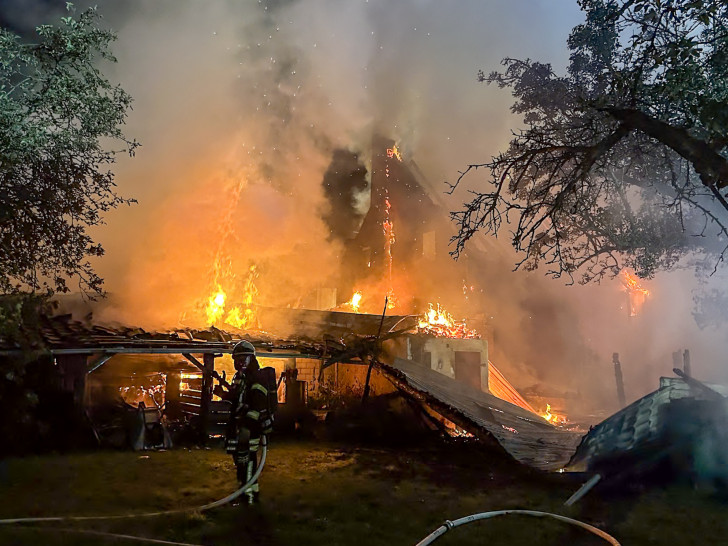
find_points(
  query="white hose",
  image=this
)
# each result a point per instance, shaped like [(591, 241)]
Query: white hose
[(445, 527), (115, 536), (231, 497)]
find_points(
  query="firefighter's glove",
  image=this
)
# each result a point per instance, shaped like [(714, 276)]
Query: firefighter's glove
[(218, 390), (267, 424)]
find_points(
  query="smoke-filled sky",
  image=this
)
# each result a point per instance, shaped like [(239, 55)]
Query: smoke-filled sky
[(239, 106)]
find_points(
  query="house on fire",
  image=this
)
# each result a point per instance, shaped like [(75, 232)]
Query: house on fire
[(400, 250)]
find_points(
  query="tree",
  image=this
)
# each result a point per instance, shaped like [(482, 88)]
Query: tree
[(622, 161), (59, 117)]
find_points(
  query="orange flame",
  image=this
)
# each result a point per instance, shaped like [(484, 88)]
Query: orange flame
[(215, 306), (394, 152), (438, 322), (354, 302), (637, 295), (242, 315), (553, 418)]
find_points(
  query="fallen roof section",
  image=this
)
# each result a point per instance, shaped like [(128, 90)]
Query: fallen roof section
[(646, 429), (522, 434)]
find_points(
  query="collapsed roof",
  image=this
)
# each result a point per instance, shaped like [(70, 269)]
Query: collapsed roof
[(522, 434), (519, 432)]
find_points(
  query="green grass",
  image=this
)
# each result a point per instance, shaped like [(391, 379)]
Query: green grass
[(329, 494)]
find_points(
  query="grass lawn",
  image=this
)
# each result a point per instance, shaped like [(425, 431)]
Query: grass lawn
[(328, 494)]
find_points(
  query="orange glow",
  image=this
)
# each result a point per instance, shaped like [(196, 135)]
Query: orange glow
[(440, 323), (637, 295), (184, 378), (553, 418)]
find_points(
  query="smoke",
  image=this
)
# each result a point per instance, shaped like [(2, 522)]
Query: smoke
[(241, 106)]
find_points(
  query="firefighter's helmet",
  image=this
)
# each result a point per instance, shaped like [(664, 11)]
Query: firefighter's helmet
[(243, 348)]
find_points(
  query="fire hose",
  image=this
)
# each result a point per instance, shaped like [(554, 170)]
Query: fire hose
[(209, 506), (445, 527)]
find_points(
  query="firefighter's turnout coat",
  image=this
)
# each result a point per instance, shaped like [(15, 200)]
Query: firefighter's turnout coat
[(254, 399)]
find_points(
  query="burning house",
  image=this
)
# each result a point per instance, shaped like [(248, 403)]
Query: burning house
[(380, 328)]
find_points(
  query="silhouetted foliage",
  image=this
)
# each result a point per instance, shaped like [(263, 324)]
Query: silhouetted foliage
[(622, 161), (59, 116)]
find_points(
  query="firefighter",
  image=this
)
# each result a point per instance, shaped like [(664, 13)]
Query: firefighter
[(251, 413)]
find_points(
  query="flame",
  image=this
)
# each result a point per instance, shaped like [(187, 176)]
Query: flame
[(394, 152), (354, 302), (553, 418), (215, 306), (438, 322), (637, 295), (242, 316)]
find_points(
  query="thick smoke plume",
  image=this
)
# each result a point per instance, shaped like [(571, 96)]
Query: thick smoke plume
[(240, 107)]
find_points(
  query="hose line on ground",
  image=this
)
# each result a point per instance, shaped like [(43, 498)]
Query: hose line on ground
[(231, 497), (445, 527)]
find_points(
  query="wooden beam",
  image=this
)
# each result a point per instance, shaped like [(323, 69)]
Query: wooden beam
[(686, 363), (618, 378), (100, 361), (201, 367), (206, 394)]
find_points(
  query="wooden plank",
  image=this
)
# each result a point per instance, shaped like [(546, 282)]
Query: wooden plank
[(208, 361)]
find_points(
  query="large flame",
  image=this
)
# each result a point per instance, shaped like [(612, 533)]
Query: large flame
[(215, 306), (242, 315), (637, 295), (438, 322)]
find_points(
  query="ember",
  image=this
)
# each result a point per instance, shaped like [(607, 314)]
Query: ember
[(440, 323)]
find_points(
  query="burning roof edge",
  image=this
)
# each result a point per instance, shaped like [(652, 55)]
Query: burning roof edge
[(61, 335)]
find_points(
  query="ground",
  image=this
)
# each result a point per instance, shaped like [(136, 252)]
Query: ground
[(334, 493)]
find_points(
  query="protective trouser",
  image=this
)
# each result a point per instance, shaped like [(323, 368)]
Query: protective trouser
[(245, 456)]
